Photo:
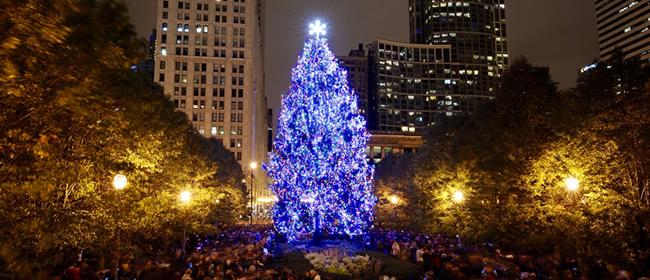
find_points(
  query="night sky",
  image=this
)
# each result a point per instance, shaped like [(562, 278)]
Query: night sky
[(560, 34)]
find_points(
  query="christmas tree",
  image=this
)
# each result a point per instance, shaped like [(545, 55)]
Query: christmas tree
[(319, 171)]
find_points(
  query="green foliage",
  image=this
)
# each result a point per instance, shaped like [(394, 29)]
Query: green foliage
[(71, 117), (512, 156)]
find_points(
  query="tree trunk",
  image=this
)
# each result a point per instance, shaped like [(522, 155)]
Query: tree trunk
[(318, 231)]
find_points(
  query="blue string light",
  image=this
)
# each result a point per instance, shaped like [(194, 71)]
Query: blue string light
[(319, 170)]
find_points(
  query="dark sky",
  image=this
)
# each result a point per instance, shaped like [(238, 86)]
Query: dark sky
[(560, 34)]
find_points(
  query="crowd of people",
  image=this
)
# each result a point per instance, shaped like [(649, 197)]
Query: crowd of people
[(442, 257), (253, 253)]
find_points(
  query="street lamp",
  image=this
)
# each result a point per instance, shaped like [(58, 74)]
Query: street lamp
[(458, 196), (572, 183), (185, 196), (393, 199), (119, 181), (252, 166)]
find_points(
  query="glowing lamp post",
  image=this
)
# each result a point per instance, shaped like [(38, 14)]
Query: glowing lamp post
[(185, 197), (572, 184), (458, 196), (119, 181), (393, 199), (252, 166)]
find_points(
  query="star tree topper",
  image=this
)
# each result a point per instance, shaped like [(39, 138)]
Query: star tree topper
[(317, 28)]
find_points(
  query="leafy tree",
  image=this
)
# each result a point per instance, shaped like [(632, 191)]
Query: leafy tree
[(71, 117)]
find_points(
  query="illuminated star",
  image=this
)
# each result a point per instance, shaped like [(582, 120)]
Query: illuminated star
[(317, 28)]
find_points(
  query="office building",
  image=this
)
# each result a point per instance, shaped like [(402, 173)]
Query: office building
[(383, 144), (147, 66), (623, 26), (356, 64), (210, 64), (476, 34), (413, 84)]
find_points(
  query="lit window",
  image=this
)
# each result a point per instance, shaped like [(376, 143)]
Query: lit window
[(164, 26), (163, 51)]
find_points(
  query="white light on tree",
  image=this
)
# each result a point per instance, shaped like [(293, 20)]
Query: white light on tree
[(458, 196), (317, 28), (186, 196), (572, 183), (119, 181), (253, 165)]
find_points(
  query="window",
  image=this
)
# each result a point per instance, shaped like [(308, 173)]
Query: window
[(164, 26), (161, 78), (162, 65), (163, 51), (165, 4)]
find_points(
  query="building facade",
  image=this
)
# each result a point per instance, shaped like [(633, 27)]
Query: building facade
[(623, 25), (209, 60), (383, 144), (476, 33), (411, 85), (356, 64)]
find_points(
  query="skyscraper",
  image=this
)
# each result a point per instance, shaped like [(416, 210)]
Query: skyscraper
[(457, 52), (356, 64), (623, 25), (209, 61), (476, 32), (411, 85)]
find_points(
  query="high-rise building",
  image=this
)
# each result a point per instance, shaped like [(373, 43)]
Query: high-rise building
[(210, 64), (147, 66), (356, 64), (412, 84), (476, 32), (623, 25)]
